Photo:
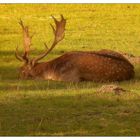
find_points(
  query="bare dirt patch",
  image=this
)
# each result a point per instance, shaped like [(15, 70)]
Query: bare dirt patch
[(111, 89)]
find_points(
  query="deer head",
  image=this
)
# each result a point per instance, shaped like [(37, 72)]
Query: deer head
[(26, 71)]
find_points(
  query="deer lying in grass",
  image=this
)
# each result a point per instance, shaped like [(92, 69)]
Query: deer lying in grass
[(98, 66)]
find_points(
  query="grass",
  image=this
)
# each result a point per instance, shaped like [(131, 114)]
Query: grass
[(50, 108)]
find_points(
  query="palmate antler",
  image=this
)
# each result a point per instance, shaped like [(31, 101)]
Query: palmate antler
[(26, 43), (58, 36)]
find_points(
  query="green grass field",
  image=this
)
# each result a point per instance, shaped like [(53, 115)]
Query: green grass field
[(31, 108)]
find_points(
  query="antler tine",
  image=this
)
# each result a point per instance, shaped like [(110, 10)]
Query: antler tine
[(54, 19), (53, 28), (62, 17), (21, 23), (17, 55), (58, 36), (46, 46), (26, 40)]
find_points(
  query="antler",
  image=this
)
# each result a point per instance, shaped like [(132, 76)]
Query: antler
[(58, 36), (26, 43), (20, 58)]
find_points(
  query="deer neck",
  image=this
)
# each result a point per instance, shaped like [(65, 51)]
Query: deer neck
[(44, 70)]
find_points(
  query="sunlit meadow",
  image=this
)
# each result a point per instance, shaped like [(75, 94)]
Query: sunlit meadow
[(31, 108)]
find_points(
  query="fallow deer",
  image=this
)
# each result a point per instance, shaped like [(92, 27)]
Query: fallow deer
[(75, 66)]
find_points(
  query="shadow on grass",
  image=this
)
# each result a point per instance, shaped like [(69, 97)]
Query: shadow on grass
[(7, 53), (69, 115), (8, 72), (43, 85), (34, 53), (137, 72)]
